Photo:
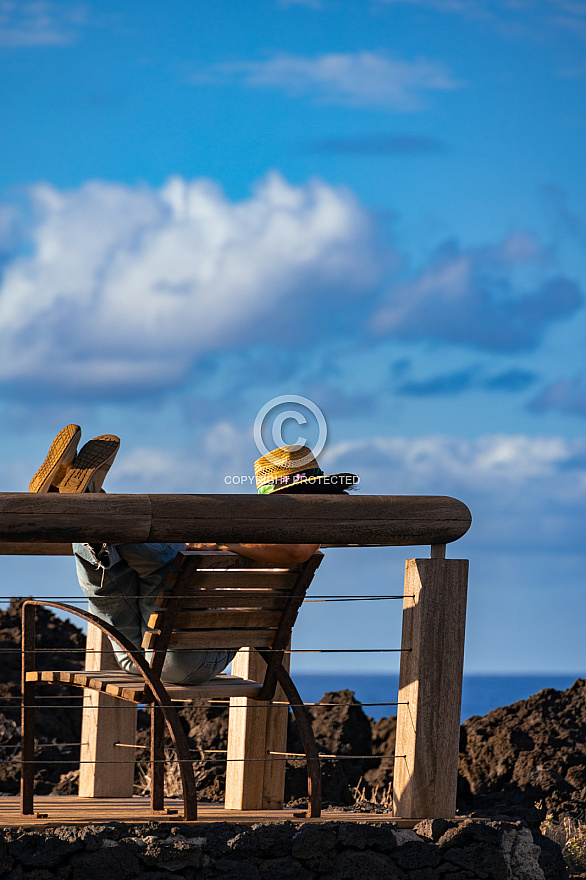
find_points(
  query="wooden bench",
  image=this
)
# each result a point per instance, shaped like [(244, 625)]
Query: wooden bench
[(434, 614), (208, 601)]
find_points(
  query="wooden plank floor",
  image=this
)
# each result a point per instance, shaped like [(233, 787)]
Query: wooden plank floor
[(67, 810)]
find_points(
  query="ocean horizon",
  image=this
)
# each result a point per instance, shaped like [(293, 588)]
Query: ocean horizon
[(480, 692)]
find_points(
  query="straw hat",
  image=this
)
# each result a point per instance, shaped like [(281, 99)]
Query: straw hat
[(294, 469)]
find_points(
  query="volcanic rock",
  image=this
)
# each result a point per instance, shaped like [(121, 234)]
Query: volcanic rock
[(533, 751), (58, 717)]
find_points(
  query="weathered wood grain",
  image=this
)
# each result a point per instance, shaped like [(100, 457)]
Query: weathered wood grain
[(273, 791), (241, 579), (370, 519), (330, 519), (241, 599), (220, 619), (52, 517), (430, 684), (36, 548), (105, 722), (55, 811), (246, 739), (217, 639), (131, 687)]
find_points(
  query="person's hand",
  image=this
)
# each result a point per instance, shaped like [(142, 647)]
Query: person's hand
[(202, 547)]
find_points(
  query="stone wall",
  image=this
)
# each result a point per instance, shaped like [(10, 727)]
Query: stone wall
[(435, 850)]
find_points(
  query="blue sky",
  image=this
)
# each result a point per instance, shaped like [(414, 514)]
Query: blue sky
[(376, 204)]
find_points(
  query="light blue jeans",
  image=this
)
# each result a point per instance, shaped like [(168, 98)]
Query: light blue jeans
[(121, 582)]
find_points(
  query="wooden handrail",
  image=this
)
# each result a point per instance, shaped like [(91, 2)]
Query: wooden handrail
[(368, 520)]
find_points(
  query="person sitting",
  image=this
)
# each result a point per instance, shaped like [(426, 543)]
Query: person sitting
[(122, 581)]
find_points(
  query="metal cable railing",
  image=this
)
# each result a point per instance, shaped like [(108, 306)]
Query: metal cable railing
[(272, 756)]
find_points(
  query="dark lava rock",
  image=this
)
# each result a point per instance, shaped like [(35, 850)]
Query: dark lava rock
[(359, 835), (217, 835), (264, 840), (5, 858), (112, 862), (433, 829), (551, 860), (469, 832), (206, 727), (384, 733), (283, 869), (336, 851), (484, 861), (229, 870), (53, 722), (342, 729), (336, 788), (39, 850), (417, 854), (533, 750), (365, 865), (68, 784), (173, 854), (312, 841)]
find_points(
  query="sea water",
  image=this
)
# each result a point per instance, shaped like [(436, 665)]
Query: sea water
[(480, 693)]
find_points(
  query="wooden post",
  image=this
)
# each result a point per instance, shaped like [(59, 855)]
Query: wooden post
[(430, 683), (254, 729), (105, 722)]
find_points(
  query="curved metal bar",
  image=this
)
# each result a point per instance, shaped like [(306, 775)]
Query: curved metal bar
[(307, 737), (159, 693)]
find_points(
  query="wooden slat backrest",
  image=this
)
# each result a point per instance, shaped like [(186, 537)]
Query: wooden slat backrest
[(221, 600)]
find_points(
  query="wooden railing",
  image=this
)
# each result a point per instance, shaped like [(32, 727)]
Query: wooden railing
[(434, 612)]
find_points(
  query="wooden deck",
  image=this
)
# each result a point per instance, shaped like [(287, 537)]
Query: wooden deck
[(52, 811)]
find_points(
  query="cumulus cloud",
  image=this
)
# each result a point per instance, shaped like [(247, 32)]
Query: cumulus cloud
[(39, 23), (125, 287), (490, 463), (357, 79), (524, 492), (476, 297), (223, 451)]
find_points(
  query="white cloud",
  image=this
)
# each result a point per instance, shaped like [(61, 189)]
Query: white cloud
[(490, 463), (478, 297), (125, 287), (524, 492), (222, 451), (358, 79), (38, 23)]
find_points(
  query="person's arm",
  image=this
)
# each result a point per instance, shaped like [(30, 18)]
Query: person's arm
[(280, 554)]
